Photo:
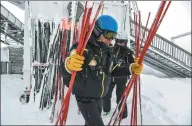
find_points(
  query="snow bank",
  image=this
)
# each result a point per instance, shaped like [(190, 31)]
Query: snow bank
[(150, 71), (171, 97), (164, 102)]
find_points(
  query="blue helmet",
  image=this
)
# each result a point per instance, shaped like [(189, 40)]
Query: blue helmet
[(106, 22)]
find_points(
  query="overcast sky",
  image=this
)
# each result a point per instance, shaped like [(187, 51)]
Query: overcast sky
[(176, 21), (14, 10)]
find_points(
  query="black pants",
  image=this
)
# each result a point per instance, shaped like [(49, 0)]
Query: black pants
[(120, 87), (91, 110)]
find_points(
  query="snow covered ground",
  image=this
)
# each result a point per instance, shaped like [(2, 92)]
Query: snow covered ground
[(165, 101)]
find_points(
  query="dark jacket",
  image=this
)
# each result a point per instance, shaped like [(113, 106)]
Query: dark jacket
[(123, 56), (93, 81)]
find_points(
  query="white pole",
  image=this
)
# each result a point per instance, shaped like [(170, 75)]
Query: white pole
[(9, 62), (127, 26), (27, 50), (7, 67), (73, 16)]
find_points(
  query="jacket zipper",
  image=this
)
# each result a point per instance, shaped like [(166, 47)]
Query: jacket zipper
[(117, 54), (103, 85), (103, 75)]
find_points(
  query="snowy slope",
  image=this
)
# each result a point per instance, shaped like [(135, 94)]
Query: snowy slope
[(150, 71), (164, 101)]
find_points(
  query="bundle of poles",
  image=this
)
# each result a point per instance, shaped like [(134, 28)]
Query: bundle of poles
[(59, 86), (86, 31), (134, 82)]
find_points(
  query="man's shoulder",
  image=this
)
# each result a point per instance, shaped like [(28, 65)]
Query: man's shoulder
[(129, 50)]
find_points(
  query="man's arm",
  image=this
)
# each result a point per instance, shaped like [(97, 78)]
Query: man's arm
[(129, 69), (130, 56), (64, 72), (122, 71)]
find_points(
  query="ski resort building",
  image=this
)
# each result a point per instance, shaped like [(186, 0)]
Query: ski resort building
[(12, 60)]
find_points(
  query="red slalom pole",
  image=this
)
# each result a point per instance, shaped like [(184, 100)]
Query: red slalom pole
[(136, 79), (143, 36), (65, 105)]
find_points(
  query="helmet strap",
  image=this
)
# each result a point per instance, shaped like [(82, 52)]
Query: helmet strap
[(97, 31)]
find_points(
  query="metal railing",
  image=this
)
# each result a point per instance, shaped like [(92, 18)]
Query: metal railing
[(11, 18), (167, 48)]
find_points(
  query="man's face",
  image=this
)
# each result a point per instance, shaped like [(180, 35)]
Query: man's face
[(105, 40)]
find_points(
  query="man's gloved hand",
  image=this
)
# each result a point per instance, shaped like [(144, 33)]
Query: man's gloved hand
[(136, 68), (136, 60), (75, 62)]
